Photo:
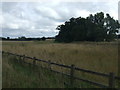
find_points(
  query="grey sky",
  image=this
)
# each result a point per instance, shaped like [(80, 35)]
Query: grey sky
[(37, 19)]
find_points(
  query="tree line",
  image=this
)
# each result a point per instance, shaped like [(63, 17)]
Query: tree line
[(23, 38), (97, 27)]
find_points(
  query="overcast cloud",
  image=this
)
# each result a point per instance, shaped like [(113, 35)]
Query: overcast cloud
[(41, 19)]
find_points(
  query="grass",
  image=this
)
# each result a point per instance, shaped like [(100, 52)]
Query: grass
[(95, 56), (17, 75), (21, 75)]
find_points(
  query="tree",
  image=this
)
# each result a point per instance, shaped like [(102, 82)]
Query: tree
[(8, 38), (112, 27), (22, 38), (92, 28), (96, 27), (43, 38)]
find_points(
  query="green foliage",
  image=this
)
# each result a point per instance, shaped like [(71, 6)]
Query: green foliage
[(92, 28)]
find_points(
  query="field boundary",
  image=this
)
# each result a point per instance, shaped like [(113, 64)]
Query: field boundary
[(111, 76)]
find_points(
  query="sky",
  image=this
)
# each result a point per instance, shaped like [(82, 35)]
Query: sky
[(38, 19)]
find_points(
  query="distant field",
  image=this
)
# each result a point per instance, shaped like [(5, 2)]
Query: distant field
[(96, 56)]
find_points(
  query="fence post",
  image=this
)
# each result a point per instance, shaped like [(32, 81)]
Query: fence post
[(34, 61), (111, 80), (72, 76), (49, 64), (17, 59), (20, 59), (23, 58), (2, 52)]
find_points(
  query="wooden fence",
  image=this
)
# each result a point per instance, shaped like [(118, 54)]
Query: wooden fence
[(111, 77)]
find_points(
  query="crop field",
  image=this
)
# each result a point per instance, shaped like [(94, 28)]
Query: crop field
[(95, 56)]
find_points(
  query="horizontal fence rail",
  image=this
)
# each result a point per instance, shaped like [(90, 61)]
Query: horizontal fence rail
[(110, 76), (84, 80)]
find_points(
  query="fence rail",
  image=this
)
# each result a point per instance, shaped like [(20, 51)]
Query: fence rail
[(111, 77)]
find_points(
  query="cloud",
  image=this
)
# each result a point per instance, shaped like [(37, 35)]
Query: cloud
[(119, 14), (37, 19)]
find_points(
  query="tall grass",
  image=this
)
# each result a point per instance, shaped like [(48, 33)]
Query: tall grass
[(95, 56), (21, 75), (17, 75)]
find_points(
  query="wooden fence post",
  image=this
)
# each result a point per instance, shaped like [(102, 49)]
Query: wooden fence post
[(23, 58), (20, 60), (111, 80), (34, 61), (49, 64), (3, 52), (16, 58), (72, 76)]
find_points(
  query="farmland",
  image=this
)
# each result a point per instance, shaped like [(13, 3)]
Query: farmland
[(95, 56)]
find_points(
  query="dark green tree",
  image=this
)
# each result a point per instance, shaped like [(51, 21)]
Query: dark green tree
[(96, 30), (22, 38), (111, 27), (8, 38), (43, 39), (92, 28)]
